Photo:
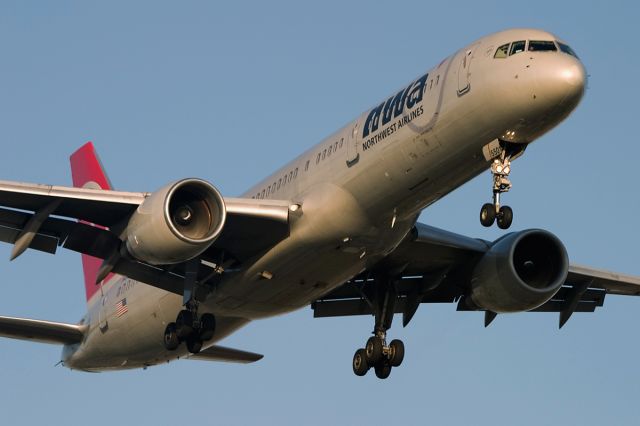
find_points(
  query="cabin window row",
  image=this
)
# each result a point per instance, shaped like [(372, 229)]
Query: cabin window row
[(275, 186)]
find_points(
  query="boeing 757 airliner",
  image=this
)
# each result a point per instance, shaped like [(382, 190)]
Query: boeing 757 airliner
[(169, 274)]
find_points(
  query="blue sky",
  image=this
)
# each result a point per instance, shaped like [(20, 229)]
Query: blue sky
[(229, 92)]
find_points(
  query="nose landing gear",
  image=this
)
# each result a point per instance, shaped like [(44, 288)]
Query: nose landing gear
[(492, 212)]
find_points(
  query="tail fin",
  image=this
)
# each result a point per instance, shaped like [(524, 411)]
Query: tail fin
[(87, 172)]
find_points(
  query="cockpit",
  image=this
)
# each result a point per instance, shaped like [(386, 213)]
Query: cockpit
[(516, 47)]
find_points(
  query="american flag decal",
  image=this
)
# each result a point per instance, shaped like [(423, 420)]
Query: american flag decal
[(121, 308)]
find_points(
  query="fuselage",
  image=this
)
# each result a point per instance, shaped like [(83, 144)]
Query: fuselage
[(360, 191)]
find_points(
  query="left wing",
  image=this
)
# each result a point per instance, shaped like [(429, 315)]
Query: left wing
[(45, 217), (435, 268)]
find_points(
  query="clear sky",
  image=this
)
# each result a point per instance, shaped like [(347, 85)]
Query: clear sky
[(229, 92)]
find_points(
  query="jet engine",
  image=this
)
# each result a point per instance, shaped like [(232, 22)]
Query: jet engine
[(176, 223), (520, 272)]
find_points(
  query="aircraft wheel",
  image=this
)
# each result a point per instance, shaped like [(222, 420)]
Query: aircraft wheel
[(505, 217), (383, 369), (207, 326), (184, 324), (397, 352), (373, 350), (487, 214), (360, 366), (194, 344), (171, 340)]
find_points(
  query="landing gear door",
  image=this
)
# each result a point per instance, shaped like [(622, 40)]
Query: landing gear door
[(464, 85), (353, 155)]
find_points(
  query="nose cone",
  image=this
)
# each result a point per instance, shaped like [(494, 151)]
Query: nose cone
[(561, 80)]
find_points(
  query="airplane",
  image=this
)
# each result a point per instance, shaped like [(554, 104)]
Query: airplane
[(171, 273)]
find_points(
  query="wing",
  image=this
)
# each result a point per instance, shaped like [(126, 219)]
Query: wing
[(436, 266), (45, 217), (41, 331), (224, 354)]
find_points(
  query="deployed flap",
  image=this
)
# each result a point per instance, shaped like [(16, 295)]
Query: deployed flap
[(224, 354), (41, 331)]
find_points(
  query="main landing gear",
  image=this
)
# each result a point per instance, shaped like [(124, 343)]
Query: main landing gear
[(189, 328), (377, 354), (492, 212)]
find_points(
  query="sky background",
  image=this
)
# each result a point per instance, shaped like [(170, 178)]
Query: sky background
[(229, 92)]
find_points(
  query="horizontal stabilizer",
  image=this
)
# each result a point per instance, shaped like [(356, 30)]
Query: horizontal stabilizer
[(224, 354), (41, 331)]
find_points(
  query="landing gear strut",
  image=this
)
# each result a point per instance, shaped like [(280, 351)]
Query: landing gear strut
[(189, 327), (492, 212), (377, 354)]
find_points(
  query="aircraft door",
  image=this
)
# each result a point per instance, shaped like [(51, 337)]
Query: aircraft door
[(463, 72), (353, 154)]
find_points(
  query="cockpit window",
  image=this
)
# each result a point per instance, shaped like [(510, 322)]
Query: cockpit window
[(517, 47), (542, 46), (566, 49), (502, 52)]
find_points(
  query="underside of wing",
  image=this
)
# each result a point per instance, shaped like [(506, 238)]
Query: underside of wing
[(41, 331), (436, 266)]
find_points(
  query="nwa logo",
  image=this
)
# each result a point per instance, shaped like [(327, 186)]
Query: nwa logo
[(395, 106)]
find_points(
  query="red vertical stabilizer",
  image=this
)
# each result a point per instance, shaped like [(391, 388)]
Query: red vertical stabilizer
[(87, 172)]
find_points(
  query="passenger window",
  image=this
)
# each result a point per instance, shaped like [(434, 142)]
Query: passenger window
[(542, 46), (279, 182), (502, 52), (324, 154), (335, 146), (566, 49), (341, 140), (437, 79), (273, 188), (517, 47), (318, 158), (295, 173), (268, 190), (290, 176), (262, 195), (329, 150), (306, 166)]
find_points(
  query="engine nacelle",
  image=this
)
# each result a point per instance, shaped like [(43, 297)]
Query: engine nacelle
[(176, 223), (520, 272)]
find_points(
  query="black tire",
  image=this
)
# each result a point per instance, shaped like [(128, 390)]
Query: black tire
[(360, 365), (171, 340), (383, 369), (194, 344), (505, 218), (373, 350), (207, 326), (487, 214), (184, 324), (397, 352)]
